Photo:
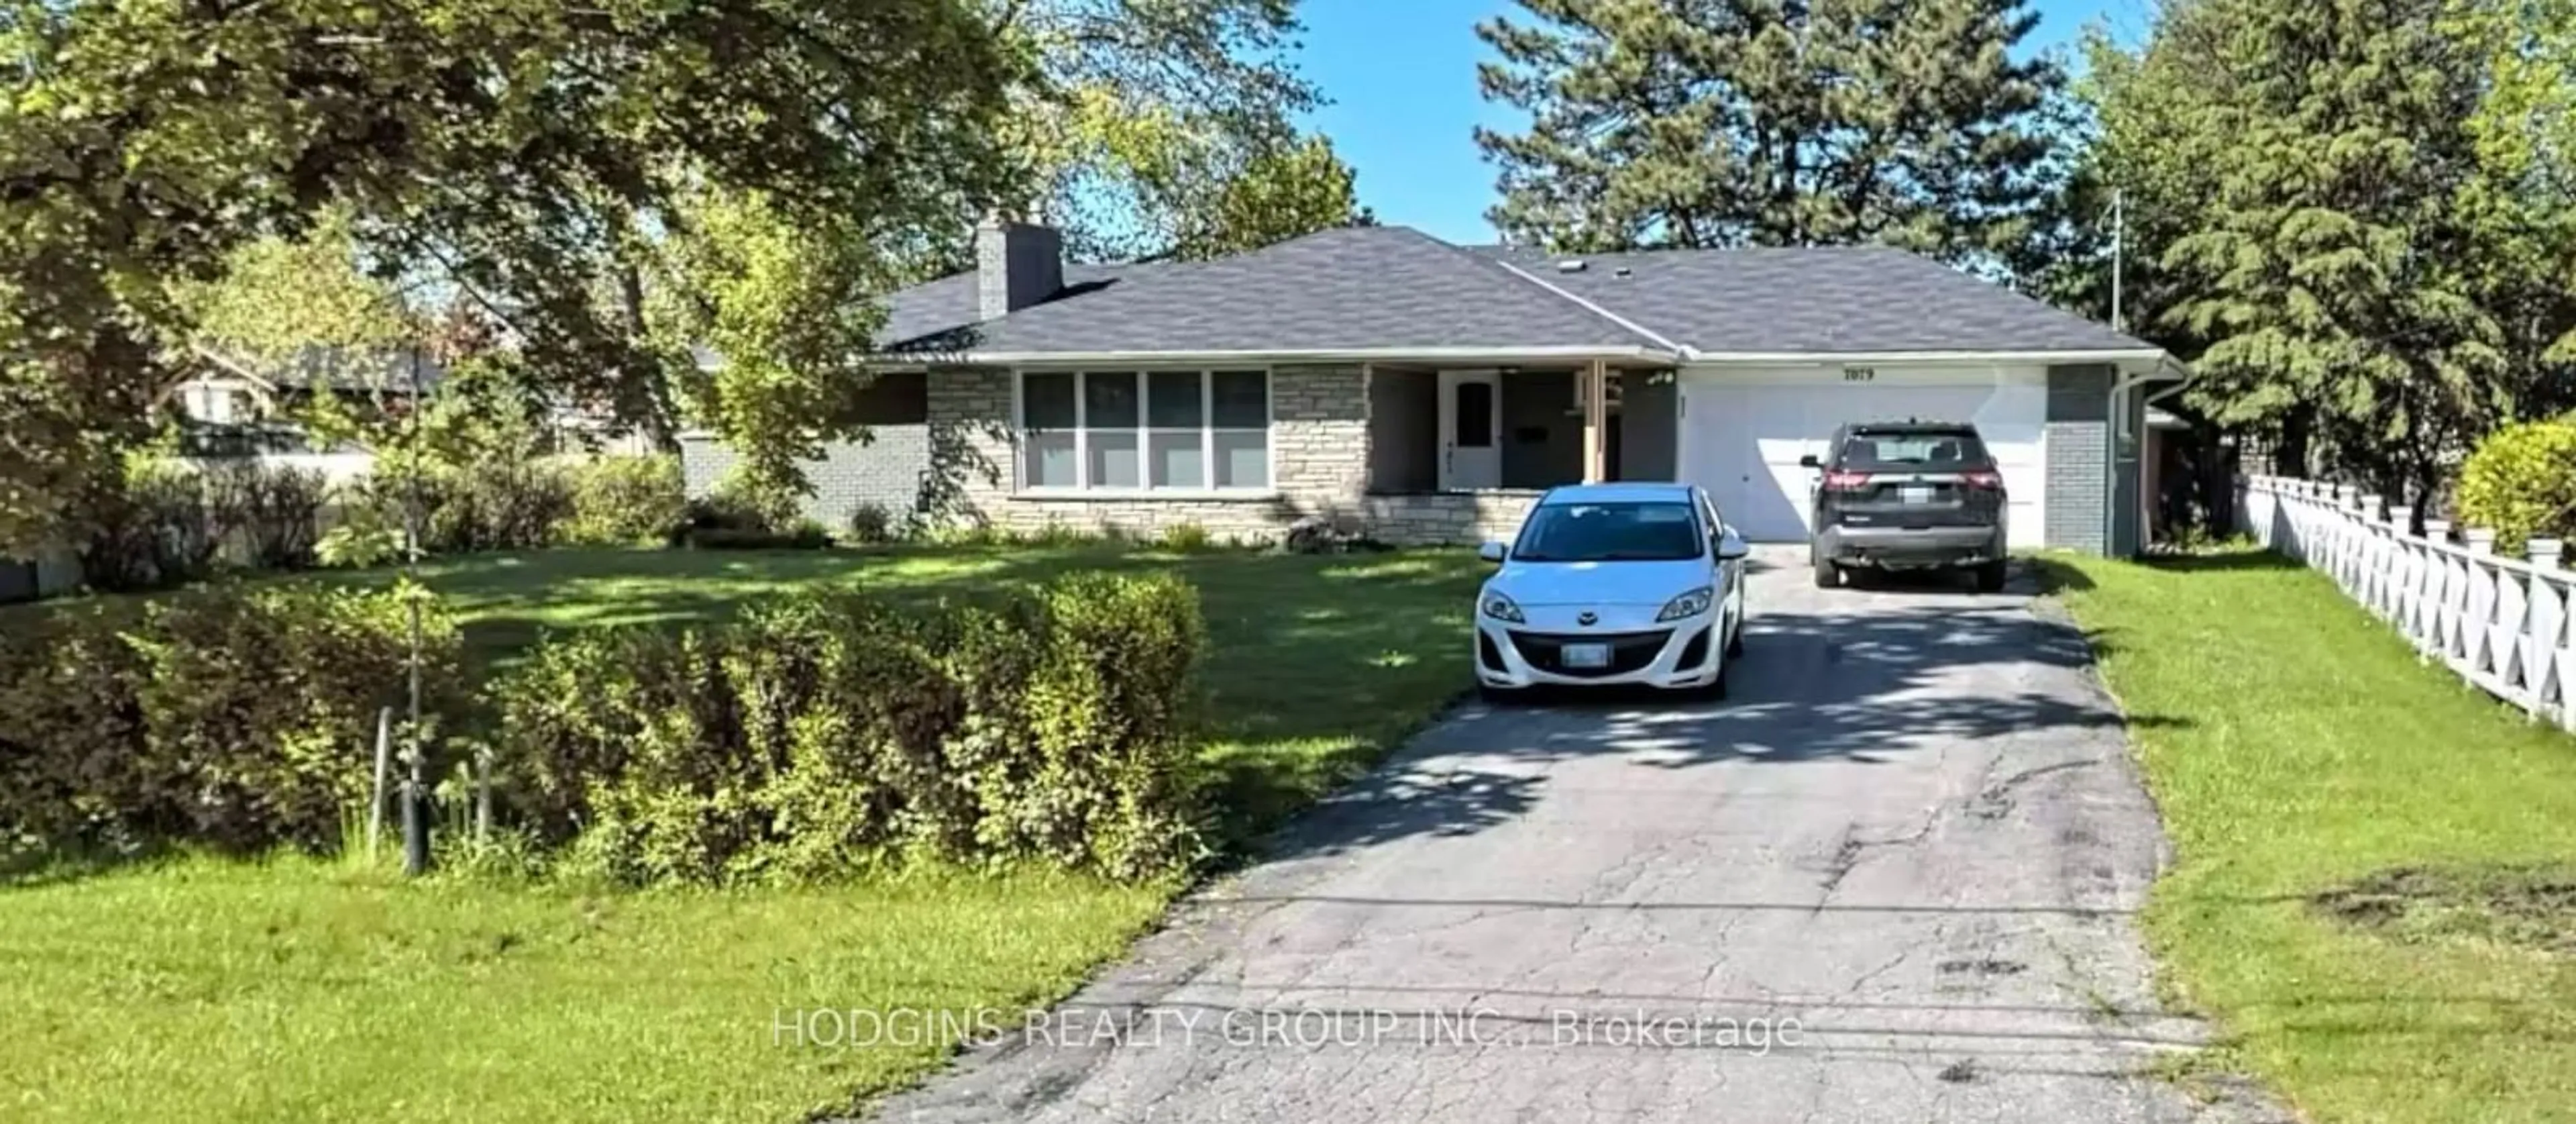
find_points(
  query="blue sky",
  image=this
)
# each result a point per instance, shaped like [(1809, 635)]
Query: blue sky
[(1402, 76)]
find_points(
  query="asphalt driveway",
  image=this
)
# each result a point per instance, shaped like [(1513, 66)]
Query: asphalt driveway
[(1892, 878)]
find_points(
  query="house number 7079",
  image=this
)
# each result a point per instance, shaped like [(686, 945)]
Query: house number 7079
[(1859, 374)]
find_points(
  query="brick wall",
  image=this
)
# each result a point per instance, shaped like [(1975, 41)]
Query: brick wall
[(2077, 438), (886, 470)]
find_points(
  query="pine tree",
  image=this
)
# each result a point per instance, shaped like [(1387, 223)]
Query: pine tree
[(1771, 122), (2339, 271)]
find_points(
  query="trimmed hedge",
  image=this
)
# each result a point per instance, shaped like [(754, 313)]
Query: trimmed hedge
[(237, 717), (826, 732)]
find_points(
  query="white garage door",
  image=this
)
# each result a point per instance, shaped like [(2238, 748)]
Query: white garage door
[(1742, 435)]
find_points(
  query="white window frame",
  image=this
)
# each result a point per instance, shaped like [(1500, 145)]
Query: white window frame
[(1083, 488)]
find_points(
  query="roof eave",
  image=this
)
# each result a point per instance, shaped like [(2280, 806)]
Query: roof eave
[(2148, 356), (1265, 356)]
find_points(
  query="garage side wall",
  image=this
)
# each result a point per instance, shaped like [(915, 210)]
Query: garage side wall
[(2078, 450), (887, 470)]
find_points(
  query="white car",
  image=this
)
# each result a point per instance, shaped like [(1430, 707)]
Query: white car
[(1607, 584)]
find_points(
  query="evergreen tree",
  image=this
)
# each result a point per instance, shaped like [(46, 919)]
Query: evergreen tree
[(1771, 122), (2344, 272)]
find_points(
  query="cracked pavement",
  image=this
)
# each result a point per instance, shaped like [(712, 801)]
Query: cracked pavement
[(1913, 829)]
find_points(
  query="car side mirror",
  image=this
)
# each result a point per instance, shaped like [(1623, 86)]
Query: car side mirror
[(1731, 547), (1810, 461), (1493, 552)]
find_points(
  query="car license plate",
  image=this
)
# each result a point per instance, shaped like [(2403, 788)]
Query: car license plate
[(1585, 655), (1916, 493)]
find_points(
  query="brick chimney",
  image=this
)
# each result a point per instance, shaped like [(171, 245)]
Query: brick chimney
[(1017, 264)]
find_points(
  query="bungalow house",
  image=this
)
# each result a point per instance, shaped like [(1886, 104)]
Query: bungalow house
[(1423, 392), (234, 406)]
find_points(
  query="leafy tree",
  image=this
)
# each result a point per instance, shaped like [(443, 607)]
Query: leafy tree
[(1281, 195), (2526, 128), (279, 297), (1771, 122), (1167, 128), (514, 147), (771, 319)]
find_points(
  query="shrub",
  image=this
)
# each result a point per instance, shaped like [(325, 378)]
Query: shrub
[(871, 523), (235, 716), (2521, 482), (626, 501), (364, 536), (71, 732), (1187, 538), (1102, 781), (505, 505), (502, 505), (826, 732), (742, 502), (276, 510), (153, 527)]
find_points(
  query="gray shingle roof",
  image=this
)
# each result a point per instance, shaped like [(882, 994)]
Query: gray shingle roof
[(1816, 299), (1349, 289), (1380, 288), (338, 368)]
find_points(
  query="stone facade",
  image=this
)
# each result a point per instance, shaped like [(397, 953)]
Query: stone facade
[(957, 466), (1319, 449), (1443, 518)]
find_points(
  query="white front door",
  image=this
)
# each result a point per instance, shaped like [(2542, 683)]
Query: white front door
[(1471, 423)]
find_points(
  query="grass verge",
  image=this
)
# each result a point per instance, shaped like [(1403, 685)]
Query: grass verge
[(296, 989), (2303, 751)]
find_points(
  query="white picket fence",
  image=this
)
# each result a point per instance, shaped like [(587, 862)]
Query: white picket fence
[(2501, 623)]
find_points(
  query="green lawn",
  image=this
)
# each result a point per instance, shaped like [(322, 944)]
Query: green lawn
[(300, 989), (2295, 746)]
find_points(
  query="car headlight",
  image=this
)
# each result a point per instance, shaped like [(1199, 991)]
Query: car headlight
[(1690, 604), (1501, 608)]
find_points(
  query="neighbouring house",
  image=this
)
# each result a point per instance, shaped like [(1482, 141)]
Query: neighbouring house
[(1421, 392), (238, 407)]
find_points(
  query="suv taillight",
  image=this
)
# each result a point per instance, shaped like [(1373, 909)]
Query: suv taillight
[(1846, 481), (1983, 479)]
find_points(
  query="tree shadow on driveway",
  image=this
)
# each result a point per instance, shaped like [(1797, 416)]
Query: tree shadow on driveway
[(1871, 684)]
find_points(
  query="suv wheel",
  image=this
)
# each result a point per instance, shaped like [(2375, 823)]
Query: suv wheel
[(1828, 575), (1991, 576)]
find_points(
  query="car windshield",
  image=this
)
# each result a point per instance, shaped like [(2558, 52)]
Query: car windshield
[(1610, 532), (1950, 450)]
